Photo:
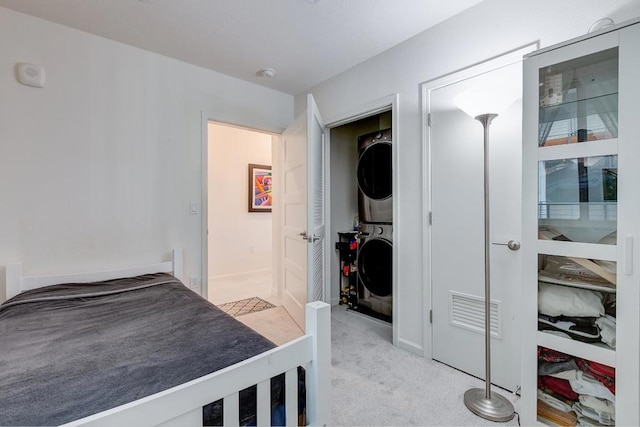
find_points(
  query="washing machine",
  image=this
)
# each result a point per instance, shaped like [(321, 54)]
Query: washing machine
[(375, 201), (375, 270)]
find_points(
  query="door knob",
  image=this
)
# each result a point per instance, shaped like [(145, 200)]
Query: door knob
[(308, 238), (514, 245)]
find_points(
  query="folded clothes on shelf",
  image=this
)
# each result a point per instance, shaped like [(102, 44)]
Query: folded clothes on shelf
[(599, 410), (546, 368), (556, 300), (556, 401), (557, 386), (573, 328), (587, 422), (589, 385), (607, 325), (603, 373)]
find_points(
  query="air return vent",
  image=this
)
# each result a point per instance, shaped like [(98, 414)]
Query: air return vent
[(467, 312)]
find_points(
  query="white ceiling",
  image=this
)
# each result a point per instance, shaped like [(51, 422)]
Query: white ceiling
[(305, 41)]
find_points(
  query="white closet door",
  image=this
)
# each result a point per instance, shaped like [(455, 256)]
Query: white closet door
[(457, 245)]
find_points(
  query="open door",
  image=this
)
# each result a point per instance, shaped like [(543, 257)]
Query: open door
[(303, 219)]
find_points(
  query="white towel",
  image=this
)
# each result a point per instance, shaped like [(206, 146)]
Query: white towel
[(586, 384), (607, 325), (599, 410), (599, 405)]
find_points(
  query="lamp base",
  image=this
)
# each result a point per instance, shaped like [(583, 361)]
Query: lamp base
[(498, 408)]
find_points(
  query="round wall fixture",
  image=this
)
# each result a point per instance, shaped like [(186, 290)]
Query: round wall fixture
[(601, 24)]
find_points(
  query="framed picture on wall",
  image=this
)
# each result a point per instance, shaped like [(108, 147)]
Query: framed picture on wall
[(260, 188)]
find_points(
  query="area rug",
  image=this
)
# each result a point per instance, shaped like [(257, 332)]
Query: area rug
[(245, 306)]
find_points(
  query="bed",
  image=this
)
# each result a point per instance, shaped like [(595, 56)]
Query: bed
[(136, 347)]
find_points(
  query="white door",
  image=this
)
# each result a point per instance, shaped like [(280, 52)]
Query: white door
[(457, 232), (303, 243)]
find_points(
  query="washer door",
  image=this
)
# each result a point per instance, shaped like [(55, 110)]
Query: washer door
[(375, 266), (374, 171)]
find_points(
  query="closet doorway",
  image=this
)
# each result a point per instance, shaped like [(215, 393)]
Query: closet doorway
[(239, 238)]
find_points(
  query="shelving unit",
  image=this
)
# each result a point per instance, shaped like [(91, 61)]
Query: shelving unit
[(347, 246), (581, 212)]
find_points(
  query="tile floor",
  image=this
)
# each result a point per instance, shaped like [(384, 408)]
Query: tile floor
[(275, 323), (241, 286)]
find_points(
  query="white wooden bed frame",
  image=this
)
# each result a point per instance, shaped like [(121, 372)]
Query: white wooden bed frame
[(182, 405)]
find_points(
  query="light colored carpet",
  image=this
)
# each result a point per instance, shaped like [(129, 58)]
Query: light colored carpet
[(377, 384)]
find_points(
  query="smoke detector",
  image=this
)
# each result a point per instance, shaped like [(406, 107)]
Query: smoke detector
[(266, 72)]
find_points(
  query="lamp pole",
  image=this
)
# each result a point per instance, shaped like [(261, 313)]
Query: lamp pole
[(483, 403)]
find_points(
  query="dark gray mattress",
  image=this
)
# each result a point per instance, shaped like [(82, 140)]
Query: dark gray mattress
[(69, 351)]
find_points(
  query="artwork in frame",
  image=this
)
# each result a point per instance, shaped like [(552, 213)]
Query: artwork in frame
[(260, 188)]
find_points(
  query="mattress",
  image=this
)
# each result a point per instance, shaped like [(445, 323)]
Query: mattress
[(72, 350)]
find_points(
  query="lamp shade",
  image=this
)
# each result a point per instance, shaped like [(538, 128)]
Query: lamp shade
[(486, 100)]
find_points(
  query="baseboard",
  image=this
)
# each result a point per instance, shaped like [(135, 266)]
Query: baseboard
[(369, 318), (244, 273), (410, 347)]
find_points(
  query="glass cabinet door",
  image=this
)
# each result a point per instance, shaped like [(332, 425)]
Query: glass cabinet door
[(577, 222), (577, 192), (579, 100), (577, 195)]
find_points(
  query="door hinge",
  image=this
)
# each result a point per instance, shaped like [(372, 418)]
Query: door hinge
[(428, 119), (430, 316), (430, 218)]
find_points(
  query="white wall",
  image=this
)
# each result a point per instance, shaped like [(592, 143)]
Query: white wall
[(98, 169), (239, 241), (489, 29)]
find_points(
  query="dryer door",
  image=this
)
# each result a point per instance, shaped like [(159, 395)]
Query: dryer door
[(375, 266), (374, 171)]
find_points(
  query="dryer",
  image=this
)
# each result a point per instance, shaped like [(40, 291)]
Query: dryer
[(375, 270), (374, 175)]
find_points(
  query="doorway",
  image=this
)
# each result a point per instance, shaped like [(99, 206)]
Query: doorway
[(361, 178), (239, 240), (342, 193), (240, 237)]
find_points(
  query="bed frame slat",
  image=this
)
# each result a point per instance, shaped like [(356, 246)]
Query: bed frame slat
[(263, 416), (231, 411), (291, 397)]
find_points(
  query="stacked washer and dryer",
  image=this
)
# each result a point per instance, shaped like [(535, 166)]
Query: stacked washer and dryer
[(375, 210)]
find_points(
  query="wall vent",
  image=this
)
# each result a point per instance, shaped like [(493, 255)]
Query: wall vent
[(467, 312)]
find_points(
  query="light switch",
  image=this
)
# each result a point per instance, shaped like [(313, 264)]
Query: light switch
[(194, 208)]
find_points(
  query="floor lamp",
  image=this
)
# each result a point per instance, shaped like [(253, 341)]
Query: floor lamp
[(484, 106)]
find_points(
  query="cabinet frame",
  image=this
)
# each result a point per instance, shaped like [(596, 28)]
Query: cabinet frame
[(625, 358)]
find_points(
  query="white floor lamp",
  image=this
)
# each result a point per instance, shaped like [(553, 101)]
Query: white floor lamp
[(484, 106)]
